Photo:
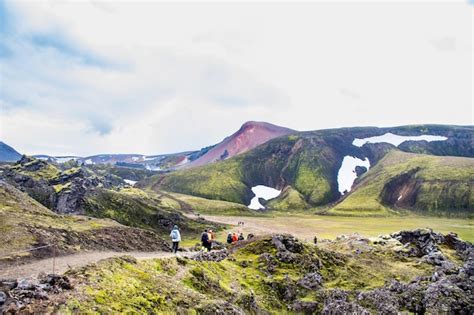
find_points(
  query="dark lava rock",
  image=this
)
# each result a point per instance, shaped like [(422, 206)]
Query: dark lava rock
[(360, 170), (57, 281), (305, 307), (217, 255), (311, 280), (286, 242), (216, 245), (269, 262), (249, 304), (422, 241), (26, 291), (219, 308), (462, 248), (383, 300), (3, 297), (444, 296), (285, 289), (8, 284), (337, 302)]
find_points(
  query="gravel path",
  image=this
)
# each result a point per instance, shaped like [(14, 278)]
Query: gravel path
[(63, 263)]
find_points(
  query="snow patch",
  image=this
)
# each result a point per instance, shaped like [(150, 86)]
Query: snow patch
[(130, 182), (88, 162), (263, 192), (396, 140), (64, 159), (347, 173), (184, 161), (151, 167), (135, 158), (149, 158)]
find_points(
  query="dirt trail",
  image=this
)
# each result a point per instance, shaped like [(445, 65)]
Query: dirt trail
[(63, 263)]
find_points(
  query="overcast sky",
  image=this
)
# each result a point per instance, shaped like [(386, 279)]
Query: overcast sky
[(95, 77)]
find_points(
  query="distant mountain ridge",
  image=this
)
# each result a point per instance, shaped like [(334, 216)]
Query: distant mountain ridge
[(249, 136), (8, 154)]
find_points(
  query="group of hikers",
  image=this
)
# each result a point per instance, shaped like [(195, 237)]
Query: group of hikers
[(233, 238), (207, 238)]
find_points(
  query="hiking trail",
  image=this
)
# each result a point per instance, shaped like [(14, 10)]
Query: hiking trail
[(63, 263)]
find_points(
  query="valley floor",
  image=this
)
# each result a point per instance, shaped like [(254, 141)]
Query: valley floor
[(306, 226)]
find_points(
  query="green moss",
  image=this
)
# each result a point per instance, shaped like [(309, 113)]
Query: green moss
[(221, 181), (160, 286), (444, 185), (134, 207), (60, 187), (313, 184), (289, 199)]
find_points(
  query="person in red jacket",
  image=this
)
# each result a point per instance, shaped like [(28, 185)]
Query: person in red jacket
[(235, 238)]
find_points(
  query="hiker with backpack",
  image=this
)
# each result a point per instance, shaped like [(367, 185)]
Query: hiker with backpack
[(175, 238), (229, 238), (235, 238), (241, 237), (206, 241)]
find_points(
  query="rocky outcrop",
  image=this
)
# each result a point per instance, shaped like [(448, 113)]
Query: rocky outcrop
[(17, 296), (61, 191), (337, 302), (217, 255)]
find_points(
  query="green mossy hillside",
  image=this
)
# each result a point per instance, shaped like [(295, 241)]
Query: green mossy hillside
[(220, 181), (423, 183), (137, 208)]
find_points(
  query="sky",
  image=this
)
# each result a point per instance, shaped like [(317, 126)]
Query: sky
[(91, 77)]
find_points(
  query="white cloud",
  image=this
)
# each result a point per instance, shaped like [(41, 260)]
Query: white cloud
[(158, 77)]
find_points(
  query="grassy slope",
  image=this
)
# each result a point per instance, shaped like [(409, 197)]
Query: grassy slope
[(209, 206), (443, 179), (137, 208), (173, 285), (18, 210), (221, 181)]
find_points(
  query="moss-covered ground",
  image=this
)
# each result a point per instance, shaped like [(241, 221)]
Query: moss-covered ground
[(251, 278)]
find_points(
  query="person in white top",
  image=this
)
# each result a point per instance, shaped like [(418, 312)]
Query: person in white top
[(175, 238)]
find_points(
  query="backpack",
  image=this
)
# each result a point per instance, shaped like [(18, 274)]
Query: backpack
[(174, 234), (204, 237), (229, 238)]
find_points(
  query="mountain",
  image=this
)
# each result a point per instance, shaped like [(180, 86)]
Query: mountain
[(95, 191), (137, 161), (249, 136), (308, 166), (8, 154)]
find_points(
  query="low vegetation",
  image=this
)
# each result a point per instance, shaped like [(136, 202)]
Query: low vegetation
[(279, 274)]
